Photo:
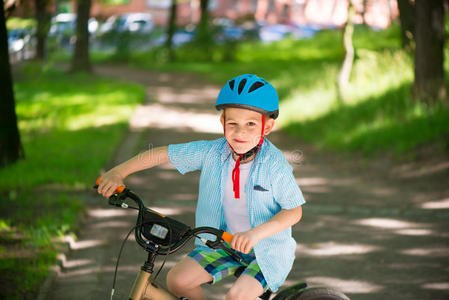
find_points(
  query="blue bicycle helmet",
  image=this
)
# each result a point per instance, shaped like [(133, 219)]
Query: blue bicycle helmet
[(250, 92)]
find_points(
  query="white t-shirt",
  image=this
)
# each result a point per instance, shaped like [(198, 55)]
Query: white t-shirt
[(236, 210)]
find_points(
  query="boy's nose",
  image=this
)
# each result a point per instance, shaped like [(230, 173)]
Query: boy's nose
[(240, 130)]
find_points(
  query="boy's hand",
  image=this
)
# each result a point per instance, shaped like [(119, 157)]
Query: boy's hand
[(109, 182), (244, 241)]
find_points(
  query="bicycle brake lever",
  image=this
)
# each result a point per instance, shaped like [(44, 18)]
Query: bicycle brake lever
[(118, 199), (218, 244), (234, 255)]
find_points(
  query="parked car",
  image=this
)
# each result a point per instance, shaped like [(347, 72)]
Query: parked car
[(63, 29), (21, 43), (62, 24), (271, 33), (180, 37), (226, 30), (65, 23), (131, 22)]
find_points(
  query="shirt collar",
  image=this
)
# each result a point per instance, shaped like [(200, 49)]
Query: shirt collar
[(227, 151)]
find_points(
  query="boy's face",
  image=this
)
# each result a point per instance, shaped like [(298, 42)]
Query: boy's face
[(244, 127)]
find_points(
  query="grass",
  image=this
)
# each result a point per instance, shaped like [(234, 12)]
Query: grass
[(377, 114), (69, 124), (388, 122)]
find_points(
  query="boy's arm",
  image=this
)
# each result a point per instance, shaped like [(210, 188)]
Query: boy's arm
[(114, 177), (245, 241)]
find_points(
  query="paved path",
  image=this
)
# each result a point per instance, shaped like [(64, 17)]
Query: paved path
[(369, 229)]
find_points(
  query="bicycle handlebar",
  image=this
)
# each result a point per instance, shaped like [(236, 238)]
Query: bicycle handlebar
[(118, 190), (122, 193)]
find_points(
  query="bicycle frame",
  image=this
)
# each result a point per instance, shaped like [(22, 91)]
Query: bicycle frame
[(146, 289), (143, 288)]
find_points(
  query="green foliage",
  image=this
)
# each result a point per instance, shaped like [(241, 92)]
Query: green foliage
[(20, 23), (378, 113), (388, 122), (69, 124), (34, 264)]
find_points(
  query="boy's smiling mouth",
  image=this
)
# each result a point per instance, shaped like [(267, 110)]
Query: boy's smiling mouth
[(239, 141)]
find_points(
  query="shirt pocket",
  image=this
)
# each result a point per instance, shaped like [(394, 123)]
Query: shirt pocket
[(263, 195)]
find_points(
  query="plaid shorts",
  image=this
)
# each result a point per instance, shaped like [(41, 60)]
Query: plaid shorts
[(220, 265)]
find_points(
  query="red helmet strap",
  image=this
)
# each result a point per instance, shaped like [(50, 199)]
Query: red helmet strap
[(236, 170)]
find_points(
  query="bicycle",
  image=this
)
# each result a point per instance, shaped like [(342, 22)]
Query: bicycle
[(161, 235)]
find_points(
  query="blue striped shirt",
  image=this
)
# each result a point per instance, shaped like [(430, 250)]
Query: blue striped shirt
[(271, 187)]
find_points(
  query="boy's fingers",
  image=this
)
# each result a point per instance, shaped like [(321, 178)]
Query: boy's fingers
[(236, 242), (99, 188), (241, 245), (105, 188), (233, 241), (246, 247), (111, 189)]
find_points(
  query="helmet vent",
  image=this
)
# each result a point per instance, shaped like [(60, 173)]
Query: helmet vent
[(255, 86), (231, 84), (241, 85)]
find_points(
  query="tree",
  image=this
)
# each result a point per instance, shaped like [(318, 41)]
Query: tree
[(81, 61), (204, 37), (345, 71), (43, 18), (407, 22), (10, 146), (429, 84), (203, 27), (171, 30), (363, 11)]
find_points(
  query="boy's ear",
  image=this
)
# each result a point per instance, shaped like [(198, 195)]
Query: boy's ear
[(269, 125), (222, 119)]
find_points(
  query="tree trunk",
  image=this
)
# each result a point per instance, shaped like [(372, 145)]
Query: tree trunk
[(407, 20), (43, 26), (10, 145), (345, 71), (363, 12), (81, 60), (171, 30), (429, 85), (203, 29), (204, 36)]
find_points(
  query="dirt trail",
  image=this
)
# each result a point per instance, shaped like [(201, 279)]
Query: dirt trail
[(369, 229)]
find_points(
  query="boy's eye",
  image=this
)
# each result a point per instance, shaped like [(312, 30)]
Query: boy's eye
[(251, 124)]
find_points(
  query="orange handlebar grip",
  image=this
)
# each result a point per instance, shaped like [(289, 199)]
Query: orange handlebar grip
[(117, 190), (227, 237)]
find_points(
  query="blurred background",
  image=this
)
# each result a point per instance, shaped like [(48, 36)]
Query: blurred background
[(360, 77)]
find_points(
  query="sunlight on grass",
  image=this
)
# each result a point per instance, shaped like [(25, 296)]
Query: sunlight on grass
[(74, 107), (305, 105), (377, 113), (69, 126)]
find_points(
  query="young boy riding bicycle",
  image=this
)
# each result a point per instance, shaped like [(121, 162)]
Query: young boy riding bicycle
[(246, 188)]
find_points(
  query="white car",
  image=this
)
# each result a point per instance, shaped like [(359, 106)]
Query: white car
[(132, 22), (65, 23)]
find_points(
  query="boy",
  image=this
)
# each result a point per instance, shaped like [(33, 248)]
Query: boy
[(246, 188)]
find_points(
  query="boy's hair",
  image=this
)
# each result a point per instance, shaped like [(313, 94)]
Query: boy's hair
[(249, 92), (267, 117)]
